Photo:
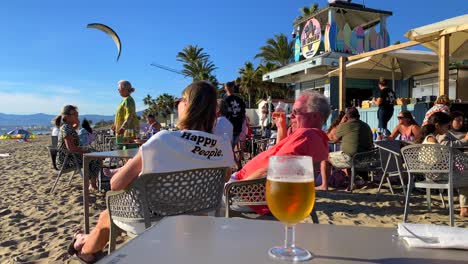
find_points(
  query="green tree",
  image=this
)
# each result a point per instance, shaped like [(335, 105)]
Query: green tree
[(249, 80), (278, 51), (197, 64), (307, 11), (162, 106)]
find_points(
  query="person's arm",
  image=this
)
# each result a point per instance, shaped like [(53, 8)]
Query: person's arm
[(70, 144), (282, 131), (260, 173), (127, 174), (416, 130), (228, 175), (449, 140), (395, 133), (336, 137)]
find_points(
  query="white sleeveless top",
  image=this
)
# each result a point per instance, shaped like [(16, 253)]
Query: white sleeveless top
[(169, 151), (428, 142)]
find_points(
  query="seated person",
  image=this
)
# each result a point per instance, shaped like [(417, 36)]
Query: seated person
[(332, 129), (164, 152), (310, 111), (438, 125), (86, 134), (457, 127), (407, 127), (153, 126), (355, 136), (68, 139), (454, 136)]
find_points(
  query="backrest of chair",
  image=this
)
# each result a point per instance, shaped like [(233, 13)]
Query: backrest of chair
[(54, 141), (432, 160), (184, 192), (249, 192), (385, 155), (53, 155), (365, 160)]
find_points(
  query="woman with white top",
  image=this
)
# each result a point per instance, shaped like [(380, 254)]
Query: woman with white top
[(165, 152), (438, 124)]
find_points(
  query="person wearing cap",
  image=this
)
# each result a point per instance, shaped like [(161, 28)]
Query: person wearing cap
[(125, 117), (385, 101), (355, 136)]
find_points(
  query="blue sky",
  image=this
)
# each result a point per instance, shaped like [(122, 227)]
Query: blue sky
[(48, 58)]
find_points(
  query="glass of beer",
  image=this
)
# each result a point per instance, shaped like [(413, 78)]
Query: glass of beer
[(290, 195)]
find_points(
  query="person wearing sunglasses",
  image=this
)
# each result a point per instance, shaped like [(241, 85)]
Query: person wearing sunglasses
[(407, 127), (305, 137), (193, 146)]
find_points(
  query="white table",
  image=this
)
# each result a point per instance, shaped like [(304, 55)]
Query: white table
[(206, 240), (129, 153)]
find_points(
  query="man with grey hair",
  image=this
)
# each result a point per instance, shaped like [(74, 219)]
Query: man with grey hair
[(309, 113)]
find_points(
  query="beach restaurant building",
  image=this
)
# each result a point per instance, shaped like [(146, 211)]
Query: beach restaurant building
[(344, 29)]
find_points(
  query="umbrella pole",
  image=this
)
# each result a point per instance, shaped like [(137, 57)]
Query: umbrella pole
[(444, 65)]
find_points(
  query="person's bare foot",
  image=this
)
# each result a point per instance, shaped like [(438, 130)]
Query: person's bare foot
[(321, 188), (80, 241), (464, 212)]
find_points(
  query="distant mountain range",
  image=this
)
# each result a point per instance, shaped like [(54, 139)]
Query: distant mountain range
[(40, 120)]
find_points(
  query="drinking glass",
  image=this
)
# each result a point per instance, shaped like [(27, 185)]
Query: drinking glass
[(290, 195)]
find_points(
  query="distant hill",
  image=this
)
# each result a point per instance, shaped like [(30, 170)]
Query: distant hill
[(9, 120)]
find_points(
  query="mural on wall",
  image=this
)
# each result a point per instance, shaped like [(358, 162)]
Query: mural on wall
[(311, 38), (344, 39)]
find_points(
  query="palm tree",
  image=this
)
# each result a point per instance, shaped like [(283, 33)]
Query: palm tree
[(197, 64), (191, 54), (163, 105), (249, 79), (278, 51), (307, 11)]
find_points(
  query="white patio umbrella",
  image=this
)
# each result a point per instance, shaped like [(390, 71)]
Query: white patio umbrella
[(395, 65), (457, 27)]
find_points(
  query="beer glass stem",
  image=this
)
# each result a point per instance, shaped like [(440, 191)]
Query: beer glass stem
[(290, 236)]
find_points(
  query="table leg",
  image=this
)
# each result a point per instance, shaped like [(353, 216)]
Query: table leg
[(86, 161), (385, 173)]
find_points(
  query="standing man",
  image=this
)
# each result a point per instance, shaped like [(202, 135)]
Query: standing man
[(385, 101), (236, 111)]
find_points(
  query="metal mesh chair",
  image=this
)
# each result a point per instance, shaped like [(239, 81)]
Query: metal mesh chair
[(156, 195), (53, 152), (246, 193), (368, 161), (442, 167)]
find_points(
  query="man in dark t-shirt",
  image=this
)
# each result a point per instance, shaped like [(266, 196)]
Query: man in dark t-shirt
[(236, 111), (385, 101)]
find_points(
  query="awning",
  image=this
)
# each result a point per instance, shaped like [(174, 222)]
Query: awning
[(398, 65), (310, 69), (457, 27)]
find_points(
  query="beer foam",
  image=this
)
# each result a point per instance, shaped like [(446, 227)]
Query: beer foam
[(290, 179)]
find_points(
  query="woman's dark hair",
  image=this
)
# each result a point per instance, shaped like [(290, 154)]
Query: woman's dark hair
[(407, 114), (455, 114), (200, 113), (85, 124), (336, 122), (440, 118)]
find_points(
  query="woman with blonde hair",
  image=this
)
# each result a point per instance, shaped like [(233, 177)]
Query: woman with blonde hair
[(165, 152), (125, 118), (442, 104)]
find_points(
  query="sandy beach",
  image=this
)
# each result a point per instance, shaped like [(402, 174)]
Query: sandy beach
[(36, 227)]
